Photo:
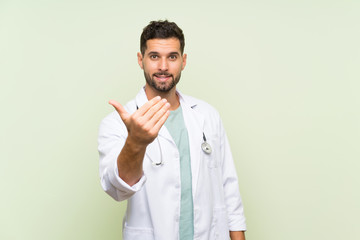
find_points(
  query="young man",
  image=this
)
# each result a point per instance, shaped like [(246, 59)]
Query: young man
[(168, 154)]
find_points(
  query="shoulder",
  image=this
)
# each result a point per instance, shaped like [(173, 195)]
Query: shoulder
[(114, 117), (113, 122)]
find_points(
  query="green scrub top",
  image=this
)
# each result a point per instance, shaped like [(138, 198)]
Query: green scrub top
[(176, 126)]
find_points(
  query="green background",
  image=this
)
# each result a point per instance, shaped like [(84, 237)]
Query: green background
[(284, 76)]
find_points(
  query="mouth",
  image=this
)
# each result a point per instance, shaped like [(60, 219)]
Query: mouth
[(162, 77)]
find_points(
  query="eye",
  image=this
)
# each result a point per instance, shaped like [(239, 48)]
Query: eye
[(153, 56), (173, 57)]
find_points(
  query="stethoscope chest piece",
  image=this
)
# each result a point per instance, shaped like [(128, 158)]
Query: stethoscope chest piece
[(206, 147)]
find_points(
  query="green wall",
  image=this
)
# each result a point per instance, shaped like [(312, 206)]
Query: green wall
[(283, 74)]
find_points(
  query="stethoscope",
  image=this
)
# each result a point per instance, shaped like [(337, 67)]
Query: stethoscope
[(205, 146)]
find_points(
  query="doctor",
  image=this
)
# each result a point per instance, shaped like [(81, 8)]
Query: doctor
[(167, 154)]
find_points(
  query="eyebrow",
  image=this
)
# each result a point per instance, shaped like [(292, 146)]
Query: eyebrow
[(157, 53)]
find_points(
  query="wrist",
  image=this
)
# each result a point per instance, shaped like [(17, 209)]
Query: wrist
[(135, 145)]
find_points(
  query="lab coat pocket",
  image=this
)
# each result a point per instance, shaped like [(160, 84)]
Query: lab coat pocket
[(138, 233), (210, 160), (220, 224)]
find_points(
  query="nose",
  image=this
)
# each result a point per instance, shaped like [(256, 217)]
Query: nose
[(163, 64)]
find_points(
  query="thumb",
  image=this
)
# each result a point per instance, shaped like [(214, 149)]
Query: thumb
[(120, 109)]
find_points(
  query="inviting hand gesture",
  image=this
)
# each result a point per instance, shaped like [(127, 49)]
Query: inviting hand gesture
[(143, 127)]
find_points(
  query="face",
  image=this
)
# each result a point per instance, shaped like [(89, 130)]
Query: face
[(162, 63)]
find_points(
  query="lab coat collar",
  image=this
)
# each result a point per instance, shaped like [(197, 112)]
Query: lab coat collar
[(141, 97)]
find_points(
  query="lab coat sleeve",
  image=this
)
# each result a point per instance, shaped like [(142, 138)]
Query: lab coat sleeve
[(234, 206), (112, 136)]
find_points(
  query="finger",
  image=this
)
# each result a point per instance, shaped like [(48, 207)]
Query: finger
[(120, 109), (158, 115), (144, 108), (161, 121), (154, 109)]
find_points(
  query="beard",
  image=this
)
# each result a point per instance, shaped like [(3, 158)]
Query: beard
[(162, 86)]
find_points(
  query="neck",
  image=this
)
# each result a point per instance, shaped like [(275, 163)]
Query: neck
[(170, 96)]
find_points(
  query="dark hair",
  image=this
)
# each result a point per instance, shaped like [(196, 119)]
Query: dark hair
[(161, 29)]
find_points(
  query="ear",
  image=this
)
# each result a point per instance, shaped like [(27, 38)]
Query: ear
[(140, 58), (183, 61)]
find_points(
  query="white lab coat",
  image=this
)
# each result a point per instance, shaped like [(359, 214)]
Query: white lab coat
[(153, 206)]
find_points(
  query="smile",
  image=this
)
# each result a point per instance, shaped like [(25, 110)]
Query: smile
[(162, 77)]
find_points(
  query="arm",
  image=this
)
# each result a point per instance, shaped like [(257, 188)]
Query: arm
[(234, 206), (237, 235), (143, 127)]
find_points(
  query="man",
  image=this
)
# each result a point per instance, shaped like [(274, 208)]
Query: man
[(168, 154)]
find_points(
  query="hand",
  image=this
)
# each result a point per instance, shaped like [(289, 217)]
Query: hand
[(237, 235), (144, 125)]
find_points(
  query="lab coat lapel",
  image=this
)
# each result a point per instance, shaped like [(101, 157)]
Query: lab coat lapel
[(194, 122)]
